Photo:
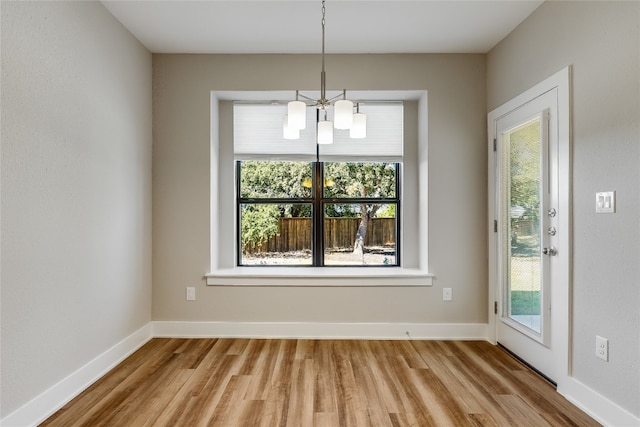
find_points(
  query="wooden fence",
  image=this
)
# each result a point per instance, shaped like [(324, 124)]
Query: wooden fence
[(295, 234)]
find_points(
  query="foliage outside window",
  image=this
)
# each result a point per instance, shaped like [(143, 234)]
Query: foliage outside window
[(318, 213)]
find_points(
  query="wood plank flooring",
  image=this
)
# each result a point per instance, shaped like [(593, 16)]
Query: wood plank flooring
[(253, 382)]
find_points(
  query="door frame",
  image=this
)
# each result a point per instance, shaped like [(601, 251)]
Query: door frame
[(562, 294)]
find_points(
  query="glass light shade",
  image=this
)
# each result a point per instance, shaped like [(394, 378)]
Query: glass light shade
[(287, 131), (343, 114), (359, 128), (297, 112), (325, 132)]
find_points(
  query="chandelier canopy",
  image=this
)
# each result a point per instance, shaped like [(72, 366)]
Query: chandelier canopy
[(343, 114)]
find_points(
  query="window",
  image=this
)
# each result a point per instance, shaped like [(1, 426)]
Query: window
[(317, 213), (231, 142), (314, 205)]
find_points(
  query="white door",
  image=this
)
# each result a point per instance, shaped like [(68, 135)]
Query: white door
[(531, 235)]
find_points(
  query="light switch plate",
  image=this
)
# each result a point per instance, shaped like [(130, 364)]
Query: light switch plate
[(606, 202)]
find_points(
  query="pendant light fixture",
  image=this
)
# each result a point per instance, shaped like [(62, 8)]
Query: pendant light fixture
[(343, 115)]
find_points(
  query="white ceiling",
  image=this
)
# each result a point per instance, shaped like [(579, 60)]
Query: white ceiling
[(352, 26)]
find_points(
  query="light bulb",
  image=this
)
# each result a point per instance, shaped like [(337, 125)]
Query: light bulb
[(297, 112), (325, 132), (343, 114)]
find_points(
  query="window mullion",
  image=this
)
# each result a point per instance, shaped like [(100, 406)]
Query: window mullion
[(238, 214), (277, 200), (398, 215), (360, 200), (318, 215)]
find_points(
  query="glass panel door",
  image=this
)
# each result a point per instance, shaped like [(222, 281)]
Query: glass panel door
[(529, 172), (523, 158)]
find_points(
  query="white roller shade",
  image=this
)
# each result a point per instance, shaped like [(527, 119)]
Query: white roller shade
[(258, 134), (384, 140)]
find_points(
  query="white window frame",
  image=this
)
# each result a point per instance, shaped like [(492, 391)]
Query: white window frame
[(223, 271)]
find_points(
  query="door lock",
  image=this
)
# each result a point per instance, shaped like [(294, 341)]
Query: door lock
[(551, 251), (552, 231), (551, 212)]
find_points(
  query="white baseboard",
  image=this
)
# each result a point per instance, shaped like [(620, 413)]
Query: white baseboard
[(597, 406), (48, 402), (423, 331)]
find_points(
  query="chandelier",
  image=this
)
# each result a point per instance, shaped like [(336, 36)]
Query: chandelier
[(343, 111)]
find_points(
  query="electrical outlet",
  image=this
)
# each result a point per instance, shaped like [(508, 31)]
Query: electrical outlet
[(191, 293), (602, 348), (447, 294)]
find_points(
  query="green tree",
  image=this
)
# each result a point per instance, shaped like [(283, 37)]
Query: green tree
[(525, 162), (387, 211), (259, 223), (261, 179), (361, 180)]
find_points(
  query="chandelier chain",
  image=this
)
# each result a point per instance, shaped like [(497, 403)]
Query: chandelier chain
[(323, 100), (323, 24)]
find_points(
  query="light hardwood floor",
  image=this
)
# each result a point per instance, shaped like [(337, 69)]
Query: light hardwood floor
[(253, 382)]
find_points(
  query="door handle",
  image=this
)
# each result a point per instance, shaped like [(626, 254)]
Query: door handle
[(551, 251)]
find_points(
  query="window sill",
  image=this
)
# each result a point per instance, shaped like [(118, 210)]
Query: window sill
[(319, 277)]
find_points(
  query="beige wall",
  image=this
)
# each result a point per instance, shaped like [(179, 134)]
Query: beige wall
[(456, 194), (76, 191), (601, 41), (76, 185)]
